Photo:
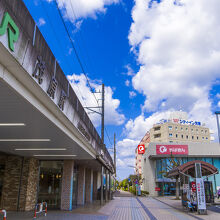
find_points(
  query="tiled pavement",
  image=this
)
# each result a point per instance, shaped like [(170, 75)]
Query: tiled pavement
[(124, 207)]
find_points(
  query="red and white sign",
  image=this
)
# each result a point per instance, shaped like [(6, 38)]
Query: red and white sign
[(193, 186), (174, 149), (141, 149), (157, 189)]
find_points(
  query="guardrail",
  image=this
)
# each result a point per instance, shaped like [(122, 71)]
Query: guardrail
[(4, 213), (40, 208)]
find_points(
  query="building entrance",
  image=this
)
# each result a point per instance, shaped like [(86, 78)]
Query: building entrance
[(50, 182)]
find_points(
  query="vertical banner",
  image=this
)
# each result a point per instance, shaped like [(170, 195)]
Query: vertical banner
[(200, 189)]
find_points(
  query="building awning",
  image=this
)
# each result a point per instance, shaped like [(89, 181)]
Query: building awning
[(189, 169)]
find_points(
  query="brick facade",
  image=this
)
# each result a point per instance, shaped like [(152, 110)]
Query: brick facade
[(89, 185), (67, 185), (20, 184), (81, 186)]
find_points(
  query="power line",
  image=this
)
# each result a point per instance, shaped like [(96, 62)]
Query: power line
[(60, 46), (76, 53)]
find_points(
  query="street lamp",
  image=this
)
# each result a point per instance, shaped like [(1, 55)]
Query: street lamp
[(218, 113)]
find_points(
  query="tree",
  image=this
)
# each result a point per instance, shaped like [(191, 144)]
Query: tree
[(172, 163)]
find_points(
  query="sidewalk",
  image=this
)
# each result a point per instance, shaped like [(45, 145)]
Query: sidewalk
[(176, 204)]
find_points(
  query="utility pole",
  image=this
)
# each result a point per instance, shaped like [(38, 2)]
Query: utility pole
[(103, 113), (115, 154), (217, 118)]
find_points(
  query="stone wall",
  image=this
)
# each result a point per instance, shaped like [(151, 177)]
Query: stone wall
[(20, 184)]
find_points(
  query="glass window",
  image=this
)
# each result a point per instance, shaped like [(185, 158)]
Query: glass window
[(157, 128), (187, 136), (176, 135), (197, 138), (192, 137), (170, 135), (176, 128), (192, 130), (206, 138), (170, 127), (202, 138), (182, 136), (181, 128), (202, 131), (206, 131), (50, 181)]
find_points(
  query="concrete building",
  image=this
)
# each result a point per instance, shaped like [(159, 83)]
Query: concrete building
[(178, 130), (156, 160), (49, 149), (145, 140)]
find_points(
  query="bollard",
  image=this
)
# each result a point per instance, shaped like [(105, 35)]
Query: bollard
[(5, 214), (41, 209)]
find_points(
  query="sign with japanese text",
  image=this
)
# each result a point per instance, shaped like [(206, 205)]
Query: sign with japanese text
[(193, 186), (141, 149), (200, 189), (172, 149), (180, 121)]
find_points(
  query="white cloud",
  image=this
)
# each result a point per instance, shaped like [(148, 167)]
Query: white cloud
[(127, 82), (76, 9), (218, 95), (132, 94), (127, 147), (125, 163), (130, 71), (219, 104), (41, 22), (112, 114), (178, 49)]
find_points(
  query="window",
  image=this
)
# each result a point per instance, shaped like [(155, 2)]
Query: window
[(157, 128), (157, 135), (187, 136), (176, 135), (182, 136), (192, 130), (202, 138), (202, 131), (170, 135), (171, 141), (144, 160), (186, 129), (170, 127), (197, 130), (181, 128), (176, 128), (206, 138), (192, 137), (197, 138), (206, 131)]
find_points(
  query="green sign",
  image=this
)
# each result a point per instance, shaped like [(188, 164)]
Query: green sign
[(13, 31)]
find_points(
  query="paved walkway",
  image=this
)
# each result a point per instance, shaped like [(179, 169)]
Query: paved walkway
[(124, 206)]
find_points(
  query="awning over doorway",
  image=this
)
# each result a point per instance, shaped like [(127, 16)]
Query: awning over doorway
[(189, 169)]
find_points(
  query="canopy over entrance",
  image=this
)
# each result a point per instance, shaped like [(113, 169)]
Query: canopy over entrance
[(189, 169)]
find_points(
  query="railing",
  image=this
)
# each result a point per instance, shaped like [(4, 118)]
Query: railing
[(4, 213), (40, 208)]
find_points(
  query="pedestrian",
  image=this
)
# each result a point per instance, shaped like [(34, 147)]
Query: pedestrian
[(218, 193)]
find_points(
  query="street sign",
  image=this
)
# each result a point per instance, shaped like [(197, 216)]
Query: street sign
[(200, 193), (141, 149)]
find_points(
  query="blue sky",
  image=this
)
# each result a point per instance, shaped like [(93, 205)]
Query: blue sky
[(154, 57)]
